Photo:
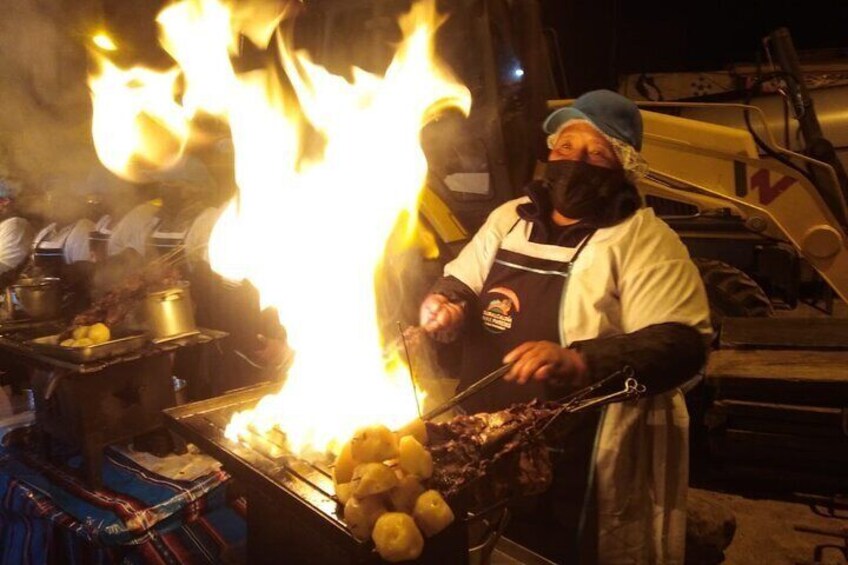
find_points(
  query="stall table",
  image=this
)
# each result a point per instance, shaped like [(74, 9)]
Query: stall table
[(92, 405)]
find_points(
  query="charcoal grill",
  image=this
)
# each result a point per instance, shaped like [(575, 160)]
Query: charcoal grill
[(292, 515)]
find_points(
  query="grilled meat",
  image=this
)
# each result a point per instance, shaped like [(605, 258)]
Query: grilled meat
[(113, 307), (484, 458)]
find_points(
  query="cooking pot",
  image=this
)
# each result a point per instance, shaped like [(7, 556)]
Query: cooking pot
[(37, 299), (170, 313)]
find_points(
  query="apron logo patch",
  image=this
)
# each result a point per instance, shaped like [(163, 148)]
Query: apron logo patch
[(498, 314)]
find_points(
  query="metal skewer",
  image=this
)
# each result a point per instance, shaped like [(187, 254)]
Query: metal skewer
[(482, 384), (578, 401), (409, 366)]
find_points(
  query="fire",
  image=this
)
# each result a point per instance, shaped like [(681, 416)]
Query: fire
[(137, 125), (310, 231), (102, 40)]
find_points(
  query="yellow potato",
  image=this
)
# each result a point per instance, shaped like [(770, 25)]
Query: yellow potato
[(84, 342), (397, 538), (67, 342), (373, 478), (343, 491), (432, 513), (417, 429), (80, 332), (373, 444), (345, 464), (403, 496), (414, 458), (360, 514), (99, 333)]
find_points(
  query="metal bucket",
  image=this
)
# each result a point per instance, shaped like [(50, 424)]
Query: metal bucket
[(170, 314), (36, 299)]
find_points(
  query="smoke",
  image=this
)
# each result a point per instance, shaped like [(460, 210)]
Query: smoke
[(44, 107), (403, 280)]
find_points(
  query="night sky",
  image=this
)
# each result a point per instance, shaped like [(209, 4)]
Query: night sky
[(604, 38), (601, 39)]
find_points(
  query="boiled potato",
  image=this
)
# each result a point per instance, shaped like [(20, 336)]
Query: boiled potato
[(68, 342), (360, 514), (414, 458), (373, 478), (84, 342), (397, 537), (99, 333), (373, 444), (80, 332), (417, 429), (345, 464), (343, 491), (432, 513), (403, 496)]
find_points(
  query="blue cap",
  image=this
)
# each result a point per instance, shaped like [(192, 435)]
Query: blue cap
[(609, 111)]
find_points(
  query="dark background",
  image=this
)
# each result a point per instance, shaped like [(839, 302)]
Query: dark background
[(602, 39)]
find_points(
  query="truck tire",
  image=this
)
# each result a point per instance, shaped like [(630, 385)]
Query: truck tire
[(731, 292)]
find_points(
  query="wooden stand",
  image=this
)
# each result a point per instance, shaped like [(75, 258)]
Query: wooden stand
[(780, 418), (95, 404), (93, 410)]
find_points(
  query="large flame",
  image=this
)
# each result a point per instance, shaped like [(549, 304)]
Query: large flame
[(137, 125), (310, 233)]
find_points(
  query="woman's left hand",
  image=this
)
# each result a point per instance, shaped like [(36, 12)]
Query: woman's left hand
[(541, 360)]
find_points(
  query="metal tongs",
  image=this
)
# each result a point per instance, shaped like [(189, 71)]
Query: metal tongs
[(483, 383), (575, 402), (581, 400)]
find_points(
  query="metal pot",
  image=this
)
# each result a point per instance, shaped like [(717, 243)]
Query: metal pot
[(170, 314), (38, 299)]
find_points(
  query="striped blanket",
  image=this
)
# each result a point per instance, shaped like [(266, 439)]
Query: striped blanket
[(49, 515)]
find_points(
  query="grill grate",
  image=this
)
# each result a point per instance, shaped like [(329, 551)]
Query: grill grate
[(293, 515)]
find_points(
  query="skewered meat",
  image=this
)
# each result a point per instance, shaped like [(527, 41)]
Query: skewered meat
[(483, 457), (113, 307)]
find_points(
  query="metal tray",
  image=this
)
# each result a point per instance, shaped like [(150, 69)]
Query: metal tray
[(49, 345)]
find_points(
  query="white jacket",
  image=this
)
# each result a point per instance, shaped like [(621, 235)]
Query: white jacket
[(15, 243), (629, 276), (133, 230)]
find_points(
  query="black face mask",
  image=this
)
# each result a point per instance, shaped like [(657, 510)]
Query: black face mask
[(587, 192)]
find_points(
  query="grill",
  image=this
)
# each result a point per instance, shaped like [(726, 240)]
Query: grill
[(292, 515)]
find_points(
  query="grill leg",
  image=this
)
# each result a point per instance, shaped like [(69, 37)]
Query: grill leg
[(92, 454)]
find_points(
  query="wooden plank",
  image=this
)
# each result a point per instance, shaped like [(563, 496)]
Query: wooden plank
[(808, 366), (790, 413), (823, 448), (812, 378), (812, 421), (747, 448), (785, 333)]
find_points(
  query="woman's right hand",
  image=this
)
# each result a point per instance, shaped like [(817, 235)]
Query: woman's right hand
[(441, 318)]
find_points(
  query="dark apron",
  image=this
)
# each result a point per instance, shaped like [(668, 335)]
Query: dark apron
[(520, 302)]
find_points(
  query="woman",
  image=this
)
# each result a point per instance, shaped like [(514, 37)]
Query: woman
[(571, 284)]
